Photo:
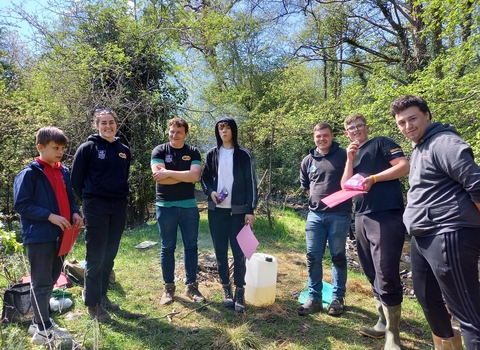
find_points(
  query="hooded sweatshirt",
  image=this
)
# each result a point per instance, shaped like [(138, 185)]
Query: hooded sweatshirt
[(244, 190), (322, 174), (444, 184), (101, 168)]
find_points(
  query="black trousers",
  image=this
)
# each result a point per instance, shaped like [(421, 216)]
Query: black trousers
[(380, 238), (224, 228), (447, 265), (104, 225), (45, 268)]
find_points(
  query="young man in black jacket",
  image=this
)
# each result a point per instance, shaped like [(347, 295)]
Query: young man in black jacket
[(228, 179)]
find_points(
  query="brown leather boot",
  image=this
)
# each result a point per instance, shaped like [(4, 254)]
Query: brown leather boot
[(193, 293), (108, 304), (99, 313), (168, 294)]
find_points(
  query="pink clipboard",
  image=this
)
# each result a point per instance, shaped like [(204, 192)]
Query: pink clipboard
[(247, 241), (340, 196), (68, 239)]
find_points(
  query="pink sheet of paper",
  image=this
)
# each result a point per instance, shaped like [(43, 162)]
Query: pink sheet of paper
[(340, 196), (247, 241)]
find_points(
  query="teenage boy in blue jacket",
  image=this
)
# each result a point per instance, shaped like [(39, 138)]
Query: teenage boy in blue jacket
[(229, 171), (44, 199)]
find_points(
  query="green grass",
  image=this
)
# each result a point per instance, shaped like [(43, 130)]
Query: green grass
[(139, 286)]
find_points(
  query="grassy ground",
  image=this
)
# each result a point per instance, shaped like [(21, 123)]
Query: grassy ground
[(139, 287)]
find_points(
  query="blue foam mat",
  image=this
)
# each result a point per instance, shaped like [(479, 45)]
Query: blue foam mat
[(326, 294)]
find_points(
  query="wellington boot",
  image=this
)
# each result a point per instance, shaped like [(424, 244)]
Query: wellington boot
[(377, 331), (392, 331), (453, 343), (168, 294)]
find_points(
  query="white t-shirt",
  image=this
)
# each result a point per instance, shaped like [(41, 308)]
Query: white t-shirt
[(225, 175)]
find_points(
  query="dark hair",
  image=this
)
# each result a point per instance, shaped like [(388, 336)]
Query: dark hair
[(103, 111), (178, 122), (402, 103), (321, 126), (50, 133)]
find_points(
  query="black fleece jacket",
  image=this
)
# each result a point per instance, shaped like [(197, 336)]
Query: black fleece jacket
[(101, 168), (244, 194)]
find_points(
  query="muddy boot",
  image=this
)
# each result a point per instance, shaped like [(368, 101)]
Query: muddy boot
[(168, 294), (193, 293), (453, 343), (311, 306), (107, 304), (99, 313), (240, 300), (227, 296), (377, 331), (392, 331)]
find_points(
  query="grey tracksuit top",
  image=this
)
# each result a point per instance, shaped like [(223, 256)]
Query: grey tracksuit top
[(444, 184)]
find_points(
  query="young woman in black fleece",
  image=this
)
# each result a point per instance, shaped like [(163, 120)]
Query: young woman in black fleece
[(99, 177)]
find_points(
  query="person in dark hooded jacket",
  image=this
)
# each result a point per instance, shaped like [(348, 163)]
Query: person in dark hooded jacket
[(442, 216), (100, 178), (228, 180), (320, 174)]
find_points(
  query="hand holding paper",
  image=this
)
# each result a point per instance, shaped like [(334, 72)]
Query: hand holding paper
[(247, 241), (353, 187)]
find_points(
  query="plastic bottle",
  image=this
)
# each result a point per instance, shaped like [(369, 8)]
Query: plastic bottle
[(261, 279)]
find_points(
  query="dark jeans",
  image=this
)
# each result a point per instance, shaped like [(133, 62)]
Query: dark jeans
[(447, 264), (45, 268), (169, 219), (224, 228), (104, 225), (380, 237)]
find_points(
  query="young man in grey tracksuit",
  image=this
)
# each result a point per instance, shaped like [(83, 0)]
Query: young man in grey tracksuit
[(442, 215)]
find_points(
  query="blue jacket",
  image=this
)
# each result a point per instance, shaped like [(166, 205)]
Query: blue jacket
[(34, 200)]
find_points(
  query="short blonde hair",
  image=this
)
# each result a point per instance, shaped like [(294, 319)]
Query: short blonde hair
[(352, 117)]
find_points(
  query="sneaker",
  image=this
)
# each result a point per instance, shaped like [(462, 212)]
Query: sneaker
[(32, 329), (52, 336), (227, 296), (336, 307), (240, 300), (108, 304), (310, 307), (193, 293), (99, 313), (168, 294)]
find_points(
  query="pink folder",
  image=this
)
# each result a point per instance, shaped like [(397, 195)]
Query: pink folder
[(247, 241), (340, 196)]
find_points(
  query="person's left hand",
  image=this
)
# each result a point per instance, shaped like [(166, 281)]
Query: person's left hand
[(249, 219), (367, 183), (77, 221)]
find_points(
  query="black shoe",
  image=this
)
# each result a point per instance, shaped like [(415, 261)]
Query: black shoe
[(310, 307), (336, 307), (240, 300), (227, 296)]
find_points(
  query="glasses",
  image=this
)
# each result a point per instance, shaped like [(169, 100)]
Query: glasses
[(356, 127), (103, 110)]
